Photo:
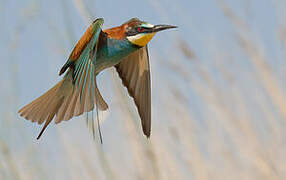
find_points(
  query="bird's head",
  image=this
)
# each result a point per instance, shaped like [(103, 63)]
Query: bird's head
[(140, 33)]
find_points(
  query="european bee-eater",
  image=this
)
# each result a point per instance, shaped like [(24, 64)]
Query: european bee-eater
[(123, 47)]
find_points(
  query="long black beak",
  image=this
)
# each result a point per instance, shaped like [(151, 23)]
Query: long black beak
[(157, 28)]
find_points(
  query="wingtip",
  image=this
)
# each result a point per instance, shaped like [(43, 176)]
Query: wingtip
[(65, 67), (62, 70), (147, 134)]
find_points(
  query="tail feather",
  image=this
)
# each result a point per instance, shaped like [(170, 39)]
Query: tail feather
[(102, 105), (62, 111), (63, 101), (44, 111), (71, 109), (30, 111), (51, 116)]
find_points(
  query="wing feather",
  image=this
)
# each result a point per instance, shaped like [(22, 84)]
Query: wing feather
[(134, 71)]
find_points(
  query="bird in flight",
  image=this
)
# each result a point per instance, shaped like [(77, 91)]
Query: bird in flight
[(123, 47)]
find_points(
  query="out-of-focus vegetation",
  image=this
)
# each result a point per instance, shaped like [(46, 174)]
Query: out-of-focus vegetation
[(218, 92)]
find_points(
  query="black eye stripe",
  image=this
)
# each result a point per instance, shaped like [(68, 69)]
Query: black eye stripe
[(143, 29), (138, 29)]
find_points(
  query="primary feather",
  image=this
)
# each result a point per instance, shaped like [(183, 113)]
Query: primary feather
[(134, 70)]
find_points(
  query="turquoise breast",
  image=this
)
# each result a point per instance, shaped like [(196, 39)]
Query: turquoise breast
[(111, 52)]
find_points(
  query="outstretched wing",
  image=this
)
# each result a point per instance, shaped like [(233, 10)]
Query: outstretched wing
[(77, 92), (134, 71), (82, 62)]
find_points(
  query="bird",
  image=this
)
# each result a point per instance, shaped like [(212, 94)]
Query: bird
[(123, 47)]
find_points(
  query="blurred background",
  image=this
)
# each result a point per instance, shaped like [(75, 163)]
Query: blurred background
[(218, 92)]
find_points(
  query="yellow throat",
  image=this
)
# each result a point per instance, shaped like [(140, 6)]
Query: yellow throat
[(141, 39)]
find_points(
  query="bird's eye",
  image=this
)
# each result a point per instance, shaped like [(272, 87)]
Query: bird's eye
[(140, 29)]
